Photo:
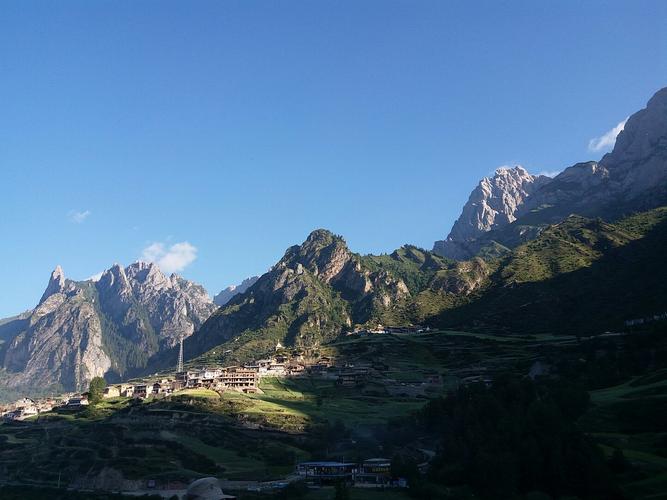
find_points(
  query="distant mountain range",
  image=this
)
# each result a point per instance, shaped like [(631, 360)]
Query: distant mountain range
[(314, 291), (228, 293), (514, 206), (516, 228), (493, 204), (528, 254), (112, 326)]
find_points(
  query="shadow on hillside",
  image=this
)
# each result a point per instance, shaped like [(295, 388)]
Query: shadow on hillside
[(627, 282)]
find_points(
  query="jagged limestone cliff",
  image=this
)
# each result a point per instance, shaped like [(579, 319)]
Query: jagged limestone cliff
[(632, 177), (315, 291), (492, 205), (511, 209), (80, 330), (231, 291)]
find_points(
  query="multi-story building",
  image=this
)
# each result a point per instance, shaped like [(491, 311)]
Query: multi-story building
[(244, 379), (327, 472), (140, 391), (374, 471)]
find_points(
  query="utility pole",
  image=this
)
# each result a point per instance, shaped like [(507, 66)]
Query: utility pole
[(179, 369)]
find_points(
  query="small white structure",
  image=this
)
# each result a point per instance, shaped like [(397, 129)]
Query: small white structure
[(77, 402), (206, 488)]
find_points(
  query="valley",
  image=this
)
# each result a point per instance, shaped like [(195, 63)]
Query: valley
[(524, 357), (123, 443)]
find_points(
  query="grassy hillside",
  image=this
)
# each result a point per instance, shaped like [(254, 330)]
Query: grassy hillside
[(415, 266), (260, 436), (582, 276), (319, 290)]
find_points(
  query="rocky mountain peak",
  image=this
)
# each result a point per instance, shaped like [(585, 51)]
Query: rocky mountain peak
[(320, 237), (517, 171), (643, 132), (638, 161), (116, 324), (149, 274), (142, 267), (322, 253), (56, 283), (228, 293), (632, 177), (492, 204), (58, 273), (114, 278)]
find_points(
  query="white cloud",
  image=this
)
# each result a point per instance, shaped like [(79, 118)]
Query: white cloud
[(550, 173), (170, 259), (606, 141), (78, 217)]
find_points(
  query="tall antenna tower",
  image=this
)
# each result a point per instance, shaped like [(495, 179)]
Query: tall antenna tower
[(179, 369)]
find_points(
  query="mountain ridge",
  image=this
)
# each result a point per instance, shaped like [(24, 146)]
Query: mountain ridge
[(228, 293), (83, 329), (492, 204), (632, 177)]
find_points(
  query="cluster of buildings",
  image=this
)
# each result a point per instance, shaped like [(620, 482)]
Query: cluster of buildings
[(380, 329), (375, 471), (647, 319), (27, 407), (243, 379), (235, 378), (22, 409)]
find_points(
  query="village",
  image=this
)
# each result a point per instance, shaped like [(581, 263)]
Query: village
[(344, 382), (285, 363), (243, 379)]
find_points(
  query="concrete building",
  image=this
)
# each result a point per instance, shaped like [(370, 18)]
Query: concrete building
[(111, 391), (140, 391), (374, 471), (239, 378), (77, 402), (327, 472), (127, 390)]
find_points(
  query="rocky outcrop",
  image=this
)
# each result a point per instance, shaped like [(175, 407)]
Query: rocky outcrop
[(314, 292), (511, 209), (84, 329), (231, 291), (56, 284), (492, 204), (632, 177), (638, 163), (61, 345), (327, 257), (463, 278), (175, 306)]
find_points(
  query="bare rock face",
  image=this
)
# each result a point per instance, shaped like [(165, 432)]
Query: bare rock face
[(175, 306), (492, 204), (632, 177), (84, 329), (638, 162), (56, 283), (231, 291), (327, 257), (62, 342), (315, 291), (464, 278)]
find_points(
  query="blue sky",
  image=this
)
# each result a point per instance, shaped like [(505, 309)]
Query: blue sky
[(216, 134)]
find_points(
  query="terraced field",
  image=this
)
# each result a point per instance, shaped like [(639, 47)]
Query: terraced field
[(261, 436)]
